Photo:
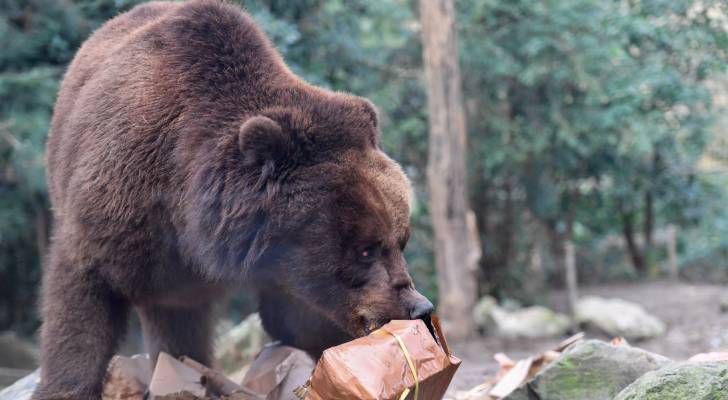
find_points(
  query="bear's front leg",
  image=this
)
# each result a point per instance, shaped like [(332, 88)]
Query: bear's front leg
[(83, 322)]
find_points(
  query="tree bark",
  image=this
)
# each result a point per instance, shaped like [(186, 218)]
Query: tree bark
[(571, 275), (671, 244), (457, 250), (648, 229), (649, 222), (638, 260)]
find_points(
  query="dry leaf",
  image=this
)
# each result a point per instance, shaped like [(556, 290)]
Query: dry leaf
[(505, 364), (513, 379), (479, 392), (568, 342)]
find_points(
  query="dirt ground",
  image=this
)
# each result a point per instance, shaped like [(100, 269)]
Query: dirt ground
[(691, 312)]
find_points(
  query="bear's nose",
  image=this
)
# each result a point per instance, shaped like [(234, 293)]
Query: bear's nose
[(421, 309)]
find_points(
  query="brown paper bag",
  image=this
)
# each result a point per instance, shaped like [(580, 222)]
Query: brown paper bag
[(383, 365)]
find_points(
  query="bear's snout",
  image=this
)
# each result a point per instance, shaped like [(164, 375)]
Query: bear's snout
[(421, 308)]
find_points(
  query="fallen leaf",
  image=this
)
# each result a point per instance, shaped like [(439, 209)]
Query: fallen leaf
[(568, 342), (513, 379), (505, 364)]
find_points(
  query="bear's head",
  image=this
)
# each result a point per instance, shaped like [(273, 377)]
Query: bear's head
[(307, 209)]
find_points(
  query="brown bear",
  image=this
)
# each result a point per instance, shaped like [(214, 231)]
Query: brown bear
[(184, 159)]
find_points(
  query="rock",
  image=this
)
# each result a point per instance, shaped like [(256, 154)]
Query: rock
[(530, 322), (681, 381), (241, 344), (724, 303), (22, 389), (710, 357), (127, 378), (618, 317), (590, 370), (278, 371), (482, 312), (17, 353), (171, 377), (511, 304)]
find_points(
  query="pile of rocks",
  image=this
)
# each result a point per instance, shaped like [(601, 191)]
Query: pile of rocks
[(597, 370)]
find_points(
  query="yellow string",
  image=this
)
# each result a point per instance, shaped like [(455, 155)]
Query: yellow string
[(412, 367)]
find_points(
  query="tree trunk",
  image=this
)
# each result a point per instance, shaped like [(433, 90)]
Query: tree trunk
[(534, 286), (649, 222), (671, 244), (571, 275), (638, 260), (457, 250), (648, 229)]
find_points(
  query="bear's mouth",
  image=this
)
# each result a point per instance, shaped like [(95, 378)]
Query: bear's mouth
[(370, 325)]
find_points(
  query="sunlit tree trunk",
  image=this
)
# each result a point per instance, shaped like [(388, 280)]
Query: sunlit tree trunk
[(457, 249), (572, 288)]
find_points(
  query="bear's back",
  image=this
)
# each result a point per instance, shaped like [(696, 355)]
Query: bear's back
[(141, 77), (74, 114)]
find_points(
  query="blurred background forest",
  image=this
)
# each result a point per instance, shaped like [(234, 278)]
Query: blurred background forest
[(600, 124)]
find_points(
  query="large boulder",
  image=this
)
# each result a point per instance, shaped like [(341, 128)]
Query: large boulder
[(239, 346), (530, 322), (618, 317), (681, 381), (590, 370)]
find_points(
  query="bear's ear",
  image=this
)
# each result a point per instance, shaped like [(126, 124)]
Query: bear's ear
[(366, 112), (262, 140), (371, 111)]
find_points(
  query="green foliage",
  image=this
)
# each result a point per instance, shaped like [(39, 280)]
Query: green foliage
[(581, 111)]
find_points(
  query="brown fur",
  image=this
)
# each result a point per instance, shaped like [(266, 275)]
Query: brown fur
[(185, 158)]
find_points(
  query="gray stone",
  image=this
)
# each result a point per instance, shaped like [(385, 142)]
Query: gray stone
[(511, 304), (681, 381), (589, 370), (483, 312), (239, 346), (530, 322), (618, 317), (22, 389)]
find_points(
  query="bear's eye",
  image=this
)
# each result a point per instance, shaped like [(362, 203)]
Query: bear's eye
[(369, 254)]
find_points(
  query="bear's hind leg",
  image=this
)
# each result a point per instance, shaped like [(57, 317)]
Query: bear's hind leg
[(83, 322), (178, 331)]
